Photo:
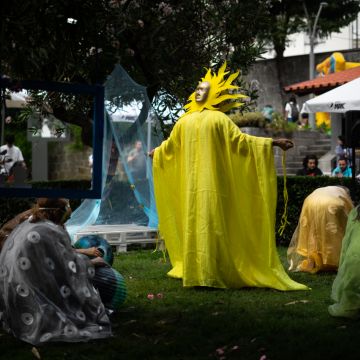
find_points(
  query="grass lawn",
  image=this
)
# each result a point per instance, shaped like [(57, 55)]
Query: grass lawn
[(208, 323)]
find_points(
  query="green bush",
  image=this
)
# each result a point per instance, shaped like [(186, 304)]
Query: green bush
[(251, 119), (280, 127), (298, 187)]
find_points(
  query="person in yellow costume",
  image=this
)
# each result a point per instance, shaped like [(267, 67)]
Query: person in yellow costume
[(316, 242), (215, 191)]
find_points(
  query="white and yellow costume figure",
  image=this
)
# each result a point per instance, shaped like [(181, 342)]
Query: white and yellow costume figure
[(215, 190), (316, 242)]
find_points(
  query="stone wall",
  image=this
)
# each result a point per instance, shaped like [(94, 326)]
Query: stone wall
[(264, 75), (66, 163)]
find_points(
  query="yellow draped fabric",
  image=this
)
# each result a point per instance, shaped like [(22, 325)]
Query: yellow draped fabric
[(215, 190), (316, 242)]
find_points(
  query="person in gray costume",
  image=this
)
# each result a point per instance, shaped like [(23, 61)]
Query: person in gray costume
[(46, 291)]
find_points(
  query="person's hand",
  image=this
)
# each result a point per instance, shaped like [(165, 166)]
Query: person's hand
[(99, 261), (284, 144), (92, 251), (151, 153)]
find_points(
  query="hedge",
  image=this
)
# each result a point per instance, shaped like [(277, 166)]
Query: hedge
[(298, 188)]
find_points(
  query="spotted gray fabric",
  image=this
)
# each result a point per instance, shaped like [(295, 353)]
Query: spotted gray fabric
[(46, 292)]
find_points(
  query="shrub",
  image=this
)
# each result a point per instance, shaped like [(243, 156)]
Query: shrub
[(280, 127), (251, 119), (298, 187)]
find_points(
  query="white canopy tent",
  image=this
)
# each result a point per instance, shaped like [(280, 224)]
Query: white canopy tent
[(339, 100)]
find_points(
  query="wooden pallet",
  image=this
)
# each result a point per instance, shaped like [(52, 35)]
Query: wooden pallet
[(121, 236)]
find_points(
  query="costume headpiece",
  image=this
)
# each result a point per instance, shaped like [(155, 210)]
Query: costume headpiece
[(218, 93)]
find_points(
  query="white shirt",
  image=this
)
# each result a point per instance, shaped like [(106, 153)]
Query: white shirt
[(13, 153), (289, 110)]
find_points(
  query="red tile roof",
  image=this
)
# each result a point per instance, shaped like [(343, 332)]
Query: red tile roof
[(324, 83)]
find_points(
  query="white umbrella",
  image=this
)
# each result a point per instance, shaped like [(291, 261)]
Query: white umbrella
[(339, 100)]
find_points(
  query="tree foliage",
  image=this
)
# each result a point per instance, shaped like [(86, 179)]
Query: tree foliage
[(289, 17), (162, 44)]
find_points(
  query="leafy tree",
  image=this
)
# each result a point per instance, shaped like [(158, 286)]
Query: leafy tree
[(289, 17), (164, 45)]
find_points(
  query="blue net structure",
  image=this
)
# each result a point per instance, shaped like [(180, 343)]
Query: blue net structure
[(131, 130)]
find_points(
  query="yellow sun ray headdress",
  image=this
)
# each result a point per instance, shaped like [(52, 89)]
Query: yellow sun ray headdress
[(218, 93)]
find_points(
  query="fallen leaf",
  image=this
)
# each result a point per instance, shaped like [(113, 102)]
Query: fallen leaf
[(296, 302), (341, 327)]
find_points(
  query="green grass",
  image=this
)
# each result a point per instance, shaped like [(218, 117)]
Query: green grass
[(203, 323)]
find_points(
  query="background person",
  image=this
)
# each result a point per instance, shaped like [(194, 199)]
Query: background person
[(304, 120), (46, 291), (343, 169), (137, 161), (346, 286), (310, 167), (340, 149), (292, 110), (13, 153), (268, 112)]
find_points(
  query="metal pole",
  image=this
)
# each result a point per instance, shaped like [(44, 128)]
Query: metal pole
[(311, 76), (357, 32), (312, 34)]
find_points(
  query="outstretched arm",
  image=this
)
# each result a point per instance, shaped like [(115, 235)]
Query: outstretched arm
[(284, 144), (151, 153), (92, 251)]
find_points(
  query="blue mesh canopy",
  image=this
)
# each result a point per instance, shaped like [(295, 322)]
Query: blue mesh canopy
[(131, 130)]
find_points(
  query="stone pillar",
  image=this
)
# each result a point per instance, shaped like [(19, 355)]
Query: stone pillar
[(39, 160)]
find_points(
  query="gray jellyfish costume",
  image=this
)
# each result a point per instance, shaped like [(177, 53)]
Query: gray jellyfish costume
[(46, 292)]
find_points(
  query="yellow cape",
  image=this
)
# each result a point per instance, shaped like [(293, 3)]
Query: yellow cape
[(215, 191)]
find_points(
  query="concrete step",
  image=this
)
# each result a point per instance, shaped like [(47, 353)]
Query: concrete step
[(318, 153), (323, 141), (306, 143), (318, 148)]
